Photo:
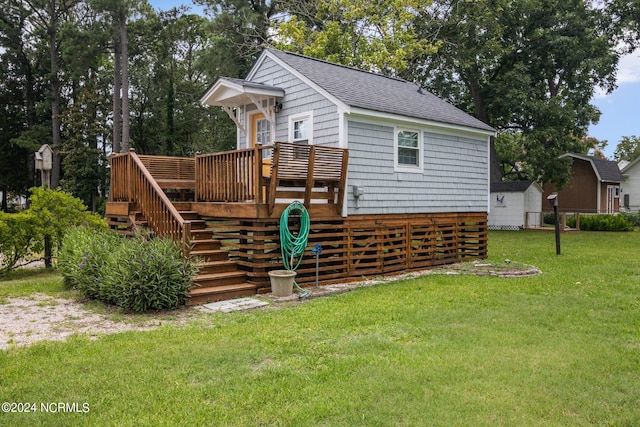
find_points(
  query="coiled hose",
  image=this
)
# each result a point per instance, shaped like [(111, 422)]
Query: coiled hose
[(294, 246)]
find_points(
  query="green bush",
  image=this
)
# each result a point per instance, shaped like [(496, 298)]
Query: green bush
[(52, 213), (548, 218), (56, 212), (606, 222), (19, 237), (632, 217), (136, 274)]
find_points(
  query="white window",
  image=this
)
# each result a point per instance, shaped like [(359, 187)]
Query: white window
[(301, 128), (408, 150)]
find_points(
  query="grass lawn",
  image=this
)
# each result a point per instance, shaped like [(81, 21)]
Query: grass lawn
[(558, 349)]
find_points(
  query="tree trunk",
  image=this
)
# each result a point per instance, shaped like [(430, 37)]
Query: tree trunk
[(55, 95), (125, 80), (116, 145)]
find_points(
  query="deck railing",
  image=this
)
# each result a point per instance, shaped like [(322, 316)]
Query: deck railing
[(230, 176), (132, 181), (314, 174)]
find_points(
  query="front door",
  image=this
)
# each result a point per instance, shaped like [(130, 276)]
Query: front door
[(261, 136), (612, 198)]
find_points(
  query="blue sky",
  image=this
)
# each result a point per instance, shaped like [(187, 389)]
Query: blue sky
[(620, 109)]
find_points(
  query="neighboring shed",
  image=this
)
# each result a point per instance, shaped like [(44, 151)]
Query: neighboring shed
[(630, 189), (594, 186), (515, 205)]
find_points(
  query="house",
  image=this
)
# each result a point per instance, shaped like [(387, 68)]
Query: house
[(394, 178), (515, 205), (409, 151), (630, 189), (594, 186)]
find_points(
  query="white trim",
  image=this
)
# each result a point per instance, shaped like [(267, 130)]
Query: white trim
[(234, 94), (397, 167), (308, 115), (233, 116), (489, 175), (376, 116), (342, 129)]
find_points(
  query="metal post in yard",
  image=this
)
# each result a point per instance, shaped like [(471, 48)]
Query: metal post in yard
[(553, 198), (317, 249)]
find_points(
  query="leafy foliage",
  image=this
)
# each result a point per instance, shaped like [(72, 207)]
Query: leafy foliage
[(56, 212), (51, 213), (134, 274), (19, 237), (523, 66), (606, 222), (379, 36), (627, 149)]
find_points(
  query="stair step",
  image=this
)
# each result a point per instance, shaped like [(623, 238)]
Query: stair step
[(203, 245), (220, 279), (212, 267), (189, 215), (211, 254), (219, 293), (197, 224)]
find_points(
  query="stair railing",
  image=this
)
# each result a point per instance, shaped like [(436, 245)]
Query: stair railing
[(161, 215)]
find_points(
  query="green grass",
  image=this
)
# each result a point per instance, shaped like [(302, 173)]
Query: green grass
[(25, 282), (561, 348)]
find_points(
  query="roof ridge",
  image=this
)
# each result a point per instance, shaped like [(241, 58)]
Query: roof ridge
[(286, 52)]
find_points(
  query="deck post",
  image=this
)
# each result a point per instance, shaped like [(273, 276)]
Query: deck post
[(186, 239), (310, 181), (273, 184)]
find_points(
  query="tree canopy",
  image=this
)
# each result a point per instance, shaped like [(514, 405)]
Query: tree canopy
[(86, 75)]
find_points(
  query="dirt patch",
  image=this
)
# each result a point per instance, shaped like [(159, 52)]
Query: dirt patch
[(39, 317)]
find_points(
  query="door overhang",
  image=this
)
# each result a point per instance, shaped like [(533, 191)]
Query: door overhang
[(231, 94)]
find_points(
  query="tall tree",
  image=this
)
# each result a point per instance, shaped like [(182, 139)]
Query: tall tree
[(528, 66), (379, 36), (627, 149), (241, 29), (47, 16)]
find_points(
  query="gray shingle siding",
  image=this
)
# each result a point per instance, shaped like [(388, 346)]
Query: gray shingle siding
[(454, 177), (299, 98)]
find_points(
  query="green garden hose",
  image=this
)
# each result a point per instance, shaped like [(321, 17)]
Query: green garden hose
[(294, 246)]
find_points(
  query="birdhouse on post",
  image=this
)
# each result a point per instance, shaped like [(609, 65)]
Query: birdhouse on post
[(44, 163)]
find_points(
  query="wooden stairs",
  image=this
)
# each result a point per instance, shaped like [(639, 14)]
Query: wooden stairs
[(218, 277)]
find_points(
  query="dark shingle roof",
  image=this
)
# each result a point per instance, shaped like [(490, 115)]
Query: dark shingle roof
[(607, 170), (357, 88), (510, 187)]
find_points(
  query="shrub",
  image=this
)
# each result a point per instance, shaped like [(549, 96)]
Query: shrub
[(606, 222), (57, 212), (19, 237), (136, 274), (632, 217), (548, 218), (52, 213)]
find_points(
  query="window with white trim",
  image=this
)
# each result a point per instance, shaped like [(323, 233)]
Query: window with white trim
[(301, 128), (408, 150)]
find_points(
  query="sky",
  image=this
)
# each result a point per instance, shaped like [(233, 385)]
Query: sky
[(620, 109)]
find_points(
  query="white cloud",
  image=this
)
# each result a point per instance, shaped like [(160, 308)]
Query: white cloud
[(629, 68), (628, 72)]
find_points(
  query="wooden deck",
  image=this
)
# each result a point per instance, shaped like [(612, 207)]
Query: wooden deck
[(225, 208)]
